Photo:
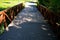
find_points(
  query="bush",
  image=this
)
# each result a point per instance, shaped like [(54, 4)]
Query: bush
[(1, 28), (53, 5)]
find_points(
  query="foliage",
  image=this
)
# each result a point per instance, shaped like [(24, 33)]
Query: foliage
[(54, 5), (1, 28), (8, 3)]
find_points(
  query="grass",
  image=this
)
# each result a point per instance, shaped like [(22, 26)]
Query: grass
[(8, 3)]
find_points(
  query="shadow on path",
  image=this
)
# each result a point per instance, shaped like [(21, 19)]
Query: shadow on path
[(28, 25)]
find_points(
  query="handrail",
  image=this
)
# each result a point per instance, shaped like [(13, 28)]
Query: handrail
[(51, 17), (9, 14)]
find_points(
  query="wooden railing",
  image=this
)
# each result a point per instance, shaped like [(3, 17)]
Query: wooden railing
[(6, 16), (51, 17)]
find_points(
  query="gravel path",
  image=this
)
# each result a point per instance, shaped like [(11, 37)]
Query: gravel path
[(28, 25)]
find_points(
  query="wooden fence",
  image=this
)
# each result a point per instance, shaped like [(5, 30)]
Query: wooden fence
[(6, 16), (51, 17)]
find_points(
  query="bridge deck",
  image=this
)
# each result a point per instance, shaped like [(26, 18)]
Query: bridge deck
[(28, 25)]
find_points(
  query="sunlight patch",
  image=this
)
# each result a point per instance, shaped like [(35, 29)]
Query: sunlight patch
[(43, 25), (11, 24), (27, 6), (18, 26), (27, 19), (49, 34), (44, 28), (7, 29)]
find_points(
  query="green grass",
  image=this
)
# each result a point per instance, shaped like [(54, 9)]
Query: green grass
[(8, 3)]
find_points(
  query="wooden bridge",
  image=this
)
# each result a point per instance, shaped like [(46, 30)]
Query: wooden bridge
[(29, 24)]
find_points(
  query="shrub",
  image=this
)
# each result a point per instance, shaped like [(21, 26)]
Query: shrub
[(1, 28), (53, 5)]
